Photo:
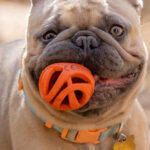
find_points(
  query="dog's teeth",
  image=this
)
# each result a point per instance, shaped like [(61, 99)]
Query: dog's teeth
[(129, 76)]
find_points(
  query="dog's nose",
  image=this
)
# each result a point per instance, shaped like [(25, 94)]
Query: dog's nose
[(86, 40)]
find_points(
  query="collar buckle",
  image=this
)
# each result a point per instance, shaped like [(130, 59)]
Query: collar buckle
[(84, 136)]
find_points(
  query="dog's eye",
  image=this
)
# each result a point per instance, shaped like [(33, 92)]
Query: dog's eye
[(117, 31), (48, 36)]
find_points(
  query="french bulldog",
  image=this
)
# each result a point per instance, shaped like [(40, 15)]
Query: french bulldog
[(102, 35)]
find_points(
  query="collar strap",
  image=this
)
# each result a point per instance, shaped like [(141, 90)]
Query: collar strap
[(75, 136), (85, 136)]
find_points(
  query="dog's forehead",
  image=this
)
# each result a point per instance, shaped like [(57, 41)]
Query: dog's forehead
[(81, 13), (70, 12)]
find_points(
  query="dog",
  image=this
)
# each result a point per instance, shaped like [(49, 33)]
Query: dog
[(102, 35)]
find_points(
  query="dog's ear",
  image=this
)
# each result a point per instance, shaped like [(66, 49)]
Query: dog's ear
[(137, 4), (34, 1)]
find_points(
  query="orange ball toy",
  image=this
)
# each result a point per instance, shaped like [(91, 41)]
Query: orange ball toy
[(66, 86)]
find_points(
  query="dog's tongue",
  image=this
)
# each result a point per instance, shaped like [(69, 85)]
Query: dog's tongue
[(66, 86), (110, 81)]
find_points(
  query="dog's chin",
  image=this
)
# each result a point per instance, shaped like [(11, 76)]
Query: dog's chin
[(108, 92)]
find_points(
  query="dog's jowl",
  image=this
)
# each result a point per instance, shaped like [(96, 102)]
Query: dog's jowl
[(78, 70)]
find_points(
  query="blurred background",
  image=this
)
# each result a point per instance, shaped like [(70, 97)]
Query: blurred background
[(13, 21)]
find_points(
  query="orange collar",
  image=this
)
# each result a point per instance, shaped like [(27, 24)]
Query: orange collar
[(82, 136)]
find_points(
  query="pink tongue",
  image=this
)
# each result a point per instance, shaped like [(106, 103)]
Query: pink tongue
[(112, 82)]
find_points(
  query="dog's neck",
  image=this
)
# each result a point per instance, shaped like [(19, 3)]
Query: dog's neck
[(93, 136)]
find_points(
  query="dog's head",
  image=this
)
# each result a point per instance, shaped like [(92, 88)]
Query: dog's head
[(102, 35)]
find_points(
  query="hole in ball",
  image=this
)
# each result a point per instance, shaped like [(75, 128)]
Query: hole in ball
[(77, 80), (66, 101), (78, 95), (54, 79)]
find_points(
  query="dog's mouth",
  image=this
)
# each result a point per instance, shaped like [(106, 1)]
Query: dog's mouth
[(107, 92)]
